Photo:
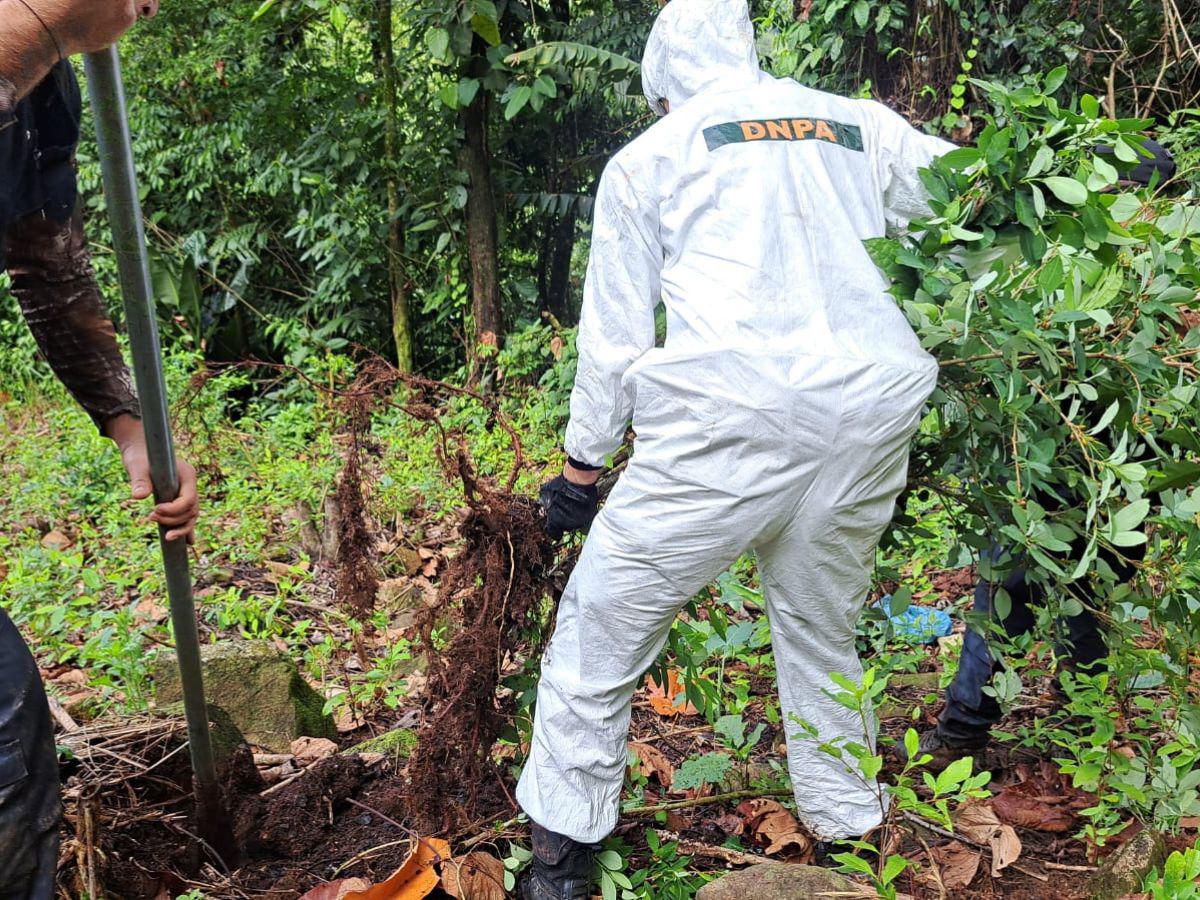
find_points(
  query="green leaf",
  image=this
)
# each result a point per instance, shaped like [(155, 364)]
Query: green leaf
[(1176, 475), (900, 602), (1068, 190), (1054, 79), (448, 94), (263, 9), (1131, 516), (862, 9), (338, 17), (517, 101), (962, 158), (1105, 169), (467, 89), (609, 859), (571, 55), (1039, 201), (893, 867), (698, 771), (1126, 153), (870, 766), (1050, 278), (954, 774), (732, 728), (487, 28), (1041, 161), (854, 863), (912, 742), (1127, 539), (438, 42)]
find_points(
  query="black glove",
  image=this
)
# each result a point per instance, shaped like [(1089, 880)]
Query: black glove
[(569, 507)]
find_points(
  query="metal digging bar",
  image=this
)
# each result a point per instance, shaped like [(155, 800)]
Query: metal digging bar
[(107, 93)]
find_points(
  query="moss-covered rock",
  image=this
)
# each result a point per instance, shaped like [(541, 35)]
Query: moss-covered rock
[(1123, 872), (399, 742), (259, 687)]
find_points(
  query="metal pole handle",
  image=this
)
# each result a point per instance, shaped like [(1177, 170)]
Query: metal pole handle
[(107, 92)]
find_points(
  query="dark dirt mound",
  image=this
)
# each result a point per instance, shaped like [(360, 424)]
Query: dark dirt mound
[(132, 833), (290, 823), (335, 812), (139, 833)]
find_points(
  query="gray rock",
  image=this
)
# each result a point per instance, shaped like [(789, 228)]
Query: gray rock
[(331, 529), (1123, 871), (300, 517), (783, 881), (258, 686)]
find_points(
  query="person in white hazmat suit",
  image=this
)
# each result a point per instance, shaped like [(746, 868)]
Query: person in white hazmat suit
[(777, 417)]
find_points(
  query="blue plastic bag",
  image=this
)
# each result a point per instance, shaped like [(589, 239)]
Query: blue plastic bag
[(917, 624)]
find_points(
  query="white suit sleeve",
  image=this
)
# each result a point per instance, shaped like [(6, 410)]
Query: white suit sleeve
[(900, 152), (617, 322)]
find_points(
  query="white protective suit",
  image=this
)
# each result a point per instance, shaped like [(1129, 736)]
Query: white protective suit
[(776, 418)]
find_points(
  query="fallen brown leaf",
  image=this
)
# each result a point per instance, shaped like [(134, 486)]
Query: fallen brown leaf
[(476, 876), (774, 826), (307, 749), (336, 890), (56, 540), (277, 570), (978, 822), (677, 821), (958, 864), (652, 762), (1016, 808), (150, 610)]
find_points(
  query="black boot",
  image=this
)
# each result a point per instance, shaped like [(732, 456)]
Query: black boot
[(823, 851), (943, 749), (561, 869)]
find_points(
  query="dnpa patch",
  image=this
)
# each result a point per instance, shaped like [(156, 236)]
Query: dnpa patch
[(848, 136)]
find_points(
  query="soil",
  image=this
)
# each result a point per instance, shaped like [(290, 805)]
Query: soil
[(292, 839)]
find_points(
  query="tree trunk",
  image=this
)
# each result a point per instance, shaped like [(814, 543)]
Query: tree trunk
[(558, 286), (401, 326), (481, 222), (559, 246)]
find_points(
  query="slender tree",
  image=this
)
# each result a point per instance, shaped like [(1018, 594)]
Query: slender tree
[(401, 327), (482, 251)]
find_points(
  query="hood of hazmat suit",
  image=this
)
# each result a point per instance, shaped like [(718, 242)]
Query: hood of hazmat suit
[(775, 418)]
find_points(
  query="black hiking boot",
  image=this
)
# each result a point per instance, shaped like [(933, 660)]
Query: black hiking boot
[(823, 851), (942, 749), (561, 870)]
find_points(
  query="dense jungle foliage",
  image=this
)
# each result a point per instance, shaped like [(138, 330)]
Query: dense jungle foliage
[(322, 179)]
